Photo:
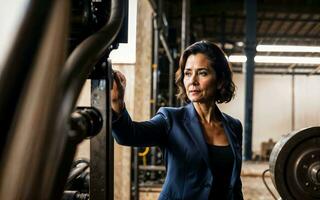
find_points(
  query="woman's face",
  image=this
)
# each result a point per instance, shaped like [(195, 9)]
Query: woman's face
[(199, 79)]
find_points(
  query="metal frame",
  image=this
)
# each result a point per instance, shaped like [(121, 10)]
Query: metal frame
[(39, 154)]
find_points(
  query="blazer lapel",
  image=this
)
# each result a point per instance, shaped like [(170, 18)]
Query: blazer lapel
[(194, 129), (229, 132)]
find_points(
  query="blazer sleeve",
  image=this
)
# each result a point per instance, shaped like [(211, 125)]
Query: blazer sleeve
[(238, 189), (239, 132), (140, 134)]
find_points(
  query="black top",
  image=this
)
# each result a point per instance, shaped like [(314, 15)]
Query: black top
[(221, 164)]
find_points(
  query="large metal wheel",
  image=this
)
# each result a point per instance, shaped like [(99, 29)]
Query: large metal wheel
[(295, 165)]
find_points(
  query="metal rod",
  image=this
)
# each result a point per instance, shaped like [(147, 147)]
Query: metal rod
[(155, 63), (315, 70), (250, 51), (293, 100), (171, 66), (158, 12), (185, 28), (101, 146), (152, 167), (239, 71), (80, 168), (185, 24), (136, 173)]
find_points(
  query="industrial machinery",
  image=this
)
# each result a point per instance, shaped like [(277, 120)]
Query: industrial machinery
[(58, 46), (295, 165)]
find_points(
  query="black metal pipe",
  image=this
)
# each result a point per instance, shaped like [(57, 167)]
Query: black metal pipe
[(250, 52), (79, 169), (86, 55), (136, 170), (171, 66), (79, 65), (155, 63), (185, 25), (102, 145)]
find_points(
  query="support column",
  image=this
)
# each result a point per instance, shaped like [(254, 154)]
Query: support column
[(185, 25), (155, 63), (143, 73), (101, 146), (250, 52), (292, 100)]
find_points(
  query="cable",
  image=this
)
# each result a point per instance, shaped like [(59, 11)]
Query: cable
[(265, 183), (145, 152)]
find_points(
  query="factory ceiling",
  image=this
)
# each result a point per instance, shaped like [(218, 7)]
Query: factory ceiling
[(279, 22)]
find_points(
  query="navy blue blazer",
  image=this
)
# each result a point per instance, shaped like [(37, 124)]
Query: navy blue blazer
[(177, 131)]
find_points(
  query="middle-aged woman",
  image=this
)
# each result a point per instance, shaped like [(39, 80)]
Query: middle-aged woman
[(202, 146)]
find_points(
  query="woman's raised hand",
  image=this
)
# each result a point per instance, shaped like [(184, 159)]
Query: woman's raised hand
[(117, 92)]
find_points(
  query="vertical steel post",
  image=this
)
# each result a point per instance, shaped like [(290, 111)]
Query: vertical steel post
[(155, 63), (293, 100), (185, 28), (185, 25), (136, 173), (157, 27), (101, 146), (250, 52), (171, 67)]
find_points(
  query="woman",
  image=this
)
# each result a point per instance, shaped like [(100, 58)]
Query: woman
[(201, 146)]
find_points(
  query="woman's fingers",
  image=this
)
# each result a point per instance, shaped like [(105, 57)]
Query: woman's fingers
[(117, 92), (116, 79), (119, 85), (121, 78)]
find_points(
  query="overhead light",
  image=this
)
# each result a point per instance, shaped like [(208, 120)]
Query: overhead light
[(277, 59), (288, 48), (240, 44), (237, 58)]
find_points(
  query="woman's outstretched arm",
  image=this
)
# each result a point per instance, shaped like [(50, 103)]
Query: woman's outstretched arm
[(130, 133)]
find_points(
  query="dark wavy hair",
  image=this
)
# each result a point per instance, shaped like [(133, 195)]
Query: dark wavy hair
[(225, 87)]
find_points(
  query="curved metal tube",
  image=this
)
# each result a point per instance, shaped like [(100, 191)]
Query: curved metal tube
[(87, 54), (77, 171), (38, 159), (81, 61), (74, 75), (20, 62)]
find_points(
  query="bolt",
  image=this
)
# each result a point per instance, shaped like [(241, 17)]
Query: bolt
[(305, 166), (307, 184), (315, 188), (313, 156)]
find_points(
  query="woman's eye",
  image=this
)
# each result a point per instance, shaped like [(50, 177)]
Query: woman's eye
[(203, 73), (187, 73)]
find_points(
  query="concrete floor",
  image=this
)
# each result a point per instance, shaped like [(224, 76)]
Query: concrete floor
[(253, 187)]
